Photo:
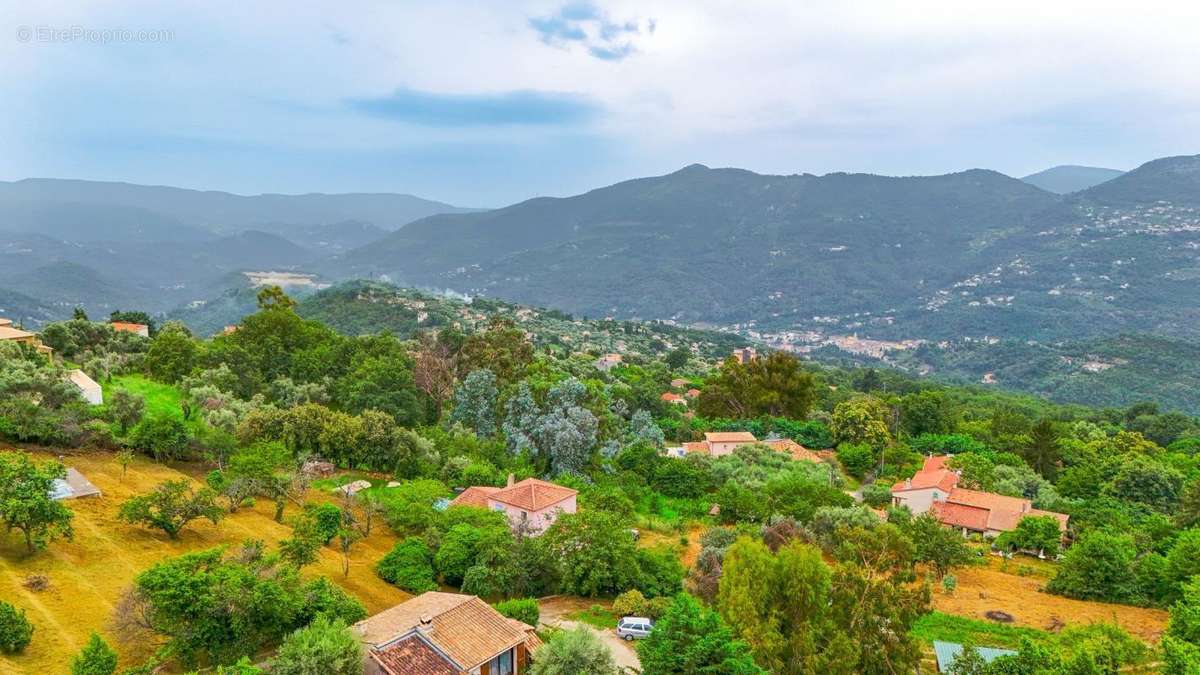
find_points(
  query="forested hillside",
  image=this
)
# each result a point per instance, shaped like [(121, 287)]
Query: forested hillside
[(973, 253), (1115, 371), (204, 443)]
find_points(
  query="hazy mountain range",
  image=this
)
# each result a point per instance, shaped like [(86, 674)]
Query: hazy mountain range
[(994, 273), (1070, 178), (103, 246), (974, 253)]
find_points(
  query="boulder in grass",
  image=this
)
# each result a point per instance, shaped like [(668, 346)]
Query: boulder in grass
[(353, 488)]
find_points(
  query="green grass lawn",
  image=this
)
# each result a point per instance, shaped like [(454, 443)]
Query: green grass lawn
[(162, 400), (596, 616), (664, 514), (949, 628)]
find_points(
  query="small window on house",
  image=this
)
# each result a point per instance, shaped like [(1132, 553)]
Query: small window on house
[(502, 664)]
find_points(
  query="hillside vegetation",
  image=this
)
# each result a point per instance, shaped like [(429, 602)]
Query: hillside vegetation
[(973, 253), (222, 429)]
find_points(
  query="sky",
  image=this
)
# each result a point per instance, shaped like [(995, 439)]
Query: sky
[(485, 103)]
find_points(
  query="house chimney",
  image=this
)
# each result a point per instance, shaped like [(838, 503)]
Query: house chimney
[(511, 479), (426, 624), (907, 482)]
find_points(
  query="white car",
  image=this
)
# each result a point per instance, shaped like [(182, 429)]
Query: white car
[(630, 627)]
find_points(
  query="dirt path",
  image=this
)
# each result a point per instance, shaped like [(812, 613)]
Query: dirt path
[(555, 610), (624, 653)]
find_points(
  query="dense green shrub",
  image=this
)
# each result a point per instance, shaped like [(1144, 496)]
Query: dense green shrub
[(457, 552), (96, 658), (856, 459), (1033, 533), (877, 495), (409, 565), (328, 519), (234, 605), (324, 646), (1099, 566), (164, 438), (524, 610), (946, 444), (681, 478), (15, 629), (629, 603)]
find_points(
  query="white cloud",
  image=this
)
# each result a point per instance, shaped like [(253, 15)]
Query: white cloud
[(772, 86)]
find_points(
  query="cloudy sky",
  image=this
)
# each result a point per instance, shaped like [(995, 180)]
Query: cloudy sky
[(489, 102)]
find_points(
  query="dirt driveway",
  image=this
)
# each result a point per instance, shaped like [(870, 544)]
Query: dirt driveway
[(555, 610)]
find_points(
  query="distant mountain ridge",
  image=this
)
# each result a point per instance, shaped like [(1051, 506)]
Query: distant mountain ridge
[(224, 212), (160, 247), (1069, 178), (970, 253), (974, 253)]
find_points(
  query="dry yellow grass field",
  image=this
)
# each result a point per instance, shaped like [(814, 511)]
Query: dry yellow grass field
[(88, 575), (987, 587)]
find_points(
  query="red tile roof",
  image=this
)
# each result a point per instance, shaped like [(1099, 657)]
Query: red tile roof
[(129, 327), (692, 393), (1003, 513), (988, 500), (463, 628), (532, 641), (961, 515), (730, 437), (935, 462), (670, 397), (413, 655), (532, 494), (943, 479), (476, 495), (973, 509), (696, 446)]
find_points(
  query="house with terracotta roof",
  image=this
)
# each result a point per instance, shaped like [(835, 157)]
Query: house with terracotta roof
[(934, 489), (531, 505), (445, 634), (135, 328), (691, 393), (672, 397), (9, 333), (721, 443), (679, 383), (932, 483)]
